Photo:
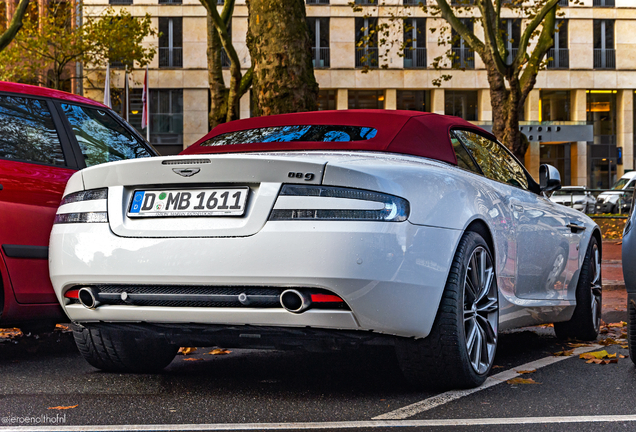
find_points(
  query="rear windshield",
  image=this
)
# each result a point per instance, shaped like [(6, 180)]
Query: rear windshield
[(276, 134)]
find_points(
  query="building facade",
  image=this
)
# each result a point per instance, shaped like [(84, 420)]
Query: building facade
[(579, 117)]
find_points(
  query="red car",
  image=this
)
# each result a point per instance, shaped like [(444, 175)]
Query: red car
[(45, 136)]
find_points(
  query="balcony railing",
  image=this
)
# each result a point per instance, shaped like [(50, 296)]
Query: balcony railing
[(462, 2), (512, 53), (367, 57), (564, 3), (170, 1), (170, 57), (320, 57), (464, 57), (317, 2), (367, 2), (120, 2), (604, 3), (413, 2), (415, 58), (604, 58), (560, 58)]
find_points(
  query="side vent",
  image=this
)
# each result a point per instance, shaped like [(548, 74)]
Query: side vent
[(186, 162)]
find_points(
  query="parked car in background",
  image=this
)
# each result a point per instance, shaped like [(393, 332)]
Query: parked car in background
[(576, 197), (323, 230), (629, 274), (619, 199), (45, 137)]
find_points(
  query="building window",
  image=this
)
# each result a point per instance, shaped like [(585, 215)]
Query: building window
[(512, 34), (414, 100), (413, 2), (326, 100), (317, 2), (558, 155), (555, 105), (170, 1), (166, 120), (461, 103), (559, 54), (319, 37), (366, 42), (366, 99), (367, 2), (171, 42), (415, 43), (601, 112), (462, 2), (463, 56), (564, 3), (604, 53), (120, 2), (604, 3)]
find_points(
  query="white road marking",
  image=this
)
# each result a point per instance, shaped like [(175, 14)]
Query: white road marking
[(332, 425), (441, 399)]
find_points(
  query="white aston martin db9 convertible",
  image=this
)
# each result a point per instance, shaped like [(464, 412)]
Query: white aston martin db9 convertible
[(323, 230)]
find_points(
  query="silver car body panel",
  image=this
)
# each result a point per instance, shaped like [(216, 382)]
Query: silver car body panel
[(390, 274)]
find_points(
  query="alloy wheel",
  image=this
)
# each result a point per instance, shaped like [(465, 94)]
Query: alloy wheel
[(481, 310), (596, 303)]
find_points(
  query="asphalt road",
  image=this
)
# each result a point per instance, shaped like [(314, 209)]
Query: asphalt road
[(282, 389)]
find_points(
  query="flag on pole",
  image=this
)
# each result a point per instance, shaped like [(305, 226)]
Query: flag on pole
[(144, 102), (107, 88)]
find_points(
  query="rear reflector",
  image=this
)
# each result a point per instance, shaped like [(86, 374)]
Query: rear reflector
[(326, 298), (72, 294)]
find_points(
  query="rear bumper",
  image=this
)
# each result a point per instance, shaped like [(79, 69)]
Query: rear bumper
[(391, 275)]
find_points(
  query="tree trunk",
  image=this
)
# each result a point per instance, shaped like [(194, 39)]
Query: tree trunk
[(278, 40), (218, 91)]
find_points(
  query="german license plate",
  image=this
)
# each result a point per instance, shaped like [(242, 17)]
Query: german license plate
[(189, 202)]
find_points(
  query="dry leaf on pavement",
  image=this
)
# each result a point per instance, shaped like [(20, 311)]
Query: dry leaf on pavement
[(608, 341), (526, 371), (219, 351), (564, 353), (577, 345), (522, 381), (192, 359), (63, 407), (596, 355), (618, 324), (602, 362), (63, 328), (10, 333), (186, 350)]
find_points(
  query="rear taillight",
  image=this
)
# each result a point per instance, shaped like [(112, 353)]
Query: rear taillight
[(82, 217), (300, 202)]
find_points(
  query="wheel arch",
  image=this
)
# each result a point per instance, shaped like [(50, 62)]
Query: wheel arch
[(596, 233), (481, 227)]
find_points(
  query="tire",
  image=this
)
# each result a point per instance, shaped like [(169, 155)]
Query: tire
[(460, 349), (115, 351), (586, 320), (631, 326)]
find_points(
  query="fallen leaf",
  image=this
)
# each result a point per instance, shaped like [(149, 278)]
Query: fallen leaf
[(577, 345), (497, 367), (62, 328), (10, 333), (608, 341), (625, 346), (618, 324), (63, 407), (186, 350), (526, 371), (594, 355), (564, 353), (219, 351), (622, 356), (602, 362), (192, 359), (522, 381)]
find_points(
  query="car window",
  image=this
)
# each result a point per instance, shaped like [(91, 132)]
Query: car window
[(27, 131), (495, 162), (463, 158), (101, 137)]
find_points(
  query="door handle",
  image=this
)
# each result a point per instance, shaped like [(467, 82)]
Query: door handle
[(576, 228)]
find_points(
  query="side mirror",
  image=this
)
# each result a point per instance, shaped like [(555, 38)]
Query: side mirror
[(549, 178)]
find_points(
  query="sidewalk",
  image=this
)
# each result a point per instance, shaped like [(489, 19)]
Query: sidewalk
[(614, 294)]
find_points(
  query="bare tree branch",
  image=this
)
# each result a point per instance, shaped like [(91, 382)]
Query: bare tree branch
[(15, 25)]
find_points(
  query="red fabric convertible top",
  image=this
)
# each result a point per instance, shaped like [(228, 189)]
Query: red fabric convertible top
[(408, 132)]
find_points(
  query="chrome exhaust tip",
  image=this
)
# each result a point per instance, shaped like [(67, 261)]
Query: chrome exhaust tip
[(294, 301), (88, 298)]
